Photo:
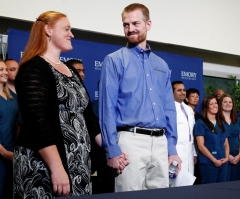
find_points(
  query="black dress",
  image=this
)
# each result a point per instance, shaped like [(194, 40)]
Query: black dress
[(32, 177)]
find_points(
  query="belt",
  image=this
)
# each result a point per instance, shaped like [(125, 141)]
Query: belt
[(151, 132)]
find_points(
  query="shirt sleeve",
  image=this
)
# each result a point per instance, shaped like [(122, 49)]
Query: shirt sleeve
[(33, 89), (199, 129), (108, 95)]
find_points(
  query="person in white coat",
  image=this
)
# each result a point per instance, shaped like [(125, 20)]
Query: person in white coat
[(185, 123)]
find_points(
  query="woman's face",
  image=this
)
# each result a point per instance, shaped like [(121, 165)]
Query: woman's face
[(227, 104), (193, 99), (61, 35), (212, 107), (3, 73)]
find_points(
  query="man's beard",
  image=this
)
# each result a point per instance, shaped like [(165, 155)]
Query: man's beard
[(137, 39)]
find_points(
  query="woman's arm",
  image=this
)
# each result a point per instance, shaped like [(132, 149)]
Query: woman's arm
[(226, 146), (5, 153), (60, 180), (205, 151)]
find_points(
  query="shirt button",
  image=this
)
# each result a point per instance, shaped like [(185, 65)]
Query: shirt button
[(150, 89), (147, 74), (156, 118), (154, 103)]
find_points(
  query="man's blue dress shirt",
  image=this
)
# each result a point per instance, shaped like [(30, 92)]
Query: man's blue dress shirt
[(135, 90)]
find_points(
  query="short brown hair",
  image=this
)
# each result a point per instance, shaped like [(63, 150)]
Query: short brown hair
[(137, 6)]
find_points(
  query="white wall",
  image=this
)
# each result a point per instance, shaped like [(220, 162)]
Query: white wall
[(205, 24), (219, 70)]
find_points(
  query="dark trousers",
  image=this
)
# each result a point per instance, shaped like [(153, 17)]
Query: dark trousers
[(6, 179), (105, 180), (211, 174)]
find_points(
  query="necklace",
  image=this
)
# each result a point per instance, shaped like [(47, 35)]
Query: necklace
[(59, 62)]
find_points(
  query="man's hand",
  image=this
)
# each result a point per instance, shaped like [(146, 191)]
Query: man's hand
[(176, 158), (195, 159)]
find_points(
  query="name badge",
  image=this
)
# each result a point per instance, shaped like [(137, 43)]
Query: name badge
[(214, 152)]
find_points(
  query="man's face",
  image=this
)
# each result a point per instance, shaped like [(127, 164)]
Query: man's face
[(179, 93), (135, 27), (12, 68), (80, 69), (219, 94)]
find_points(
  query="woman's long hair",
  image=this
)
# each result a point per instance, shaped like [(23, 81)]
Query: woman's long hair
[(233, 114), (219, 115), (5, 87), (37, 43)]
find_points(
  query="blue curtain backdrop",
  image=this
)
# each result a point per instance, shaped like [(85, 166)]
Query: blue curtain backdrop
[(186, 69)]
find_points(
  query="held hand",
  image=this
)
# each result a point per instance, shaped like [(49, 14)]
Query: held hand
[(235, 159), (125, 157), (224, 160), (118, 163), (230, 158), (61, 184), (218, 163), (176, 158)]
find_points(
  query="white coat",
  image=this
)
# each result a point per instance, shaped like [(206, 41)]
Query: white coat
[(185, 147)]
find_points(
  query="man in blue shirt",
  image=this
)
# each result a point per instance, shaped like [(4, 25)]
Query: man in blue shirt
[(136, 109)]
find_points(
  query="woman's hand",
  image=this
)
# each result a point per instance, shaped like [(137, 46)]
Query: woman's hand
[(59, 177), (217, 163), (224, 160), (235, 159), (61, 184)]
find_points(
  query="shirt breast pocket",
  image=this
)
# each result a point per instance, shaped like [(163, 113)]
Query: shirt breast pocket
[(161, 78)]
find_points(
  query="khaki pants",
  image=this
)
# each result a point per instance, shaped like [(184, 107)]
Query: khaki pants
[(148, 168)]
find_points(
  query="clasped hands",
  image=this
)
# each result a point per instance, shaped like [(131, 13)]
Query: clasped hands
[(119, 162)]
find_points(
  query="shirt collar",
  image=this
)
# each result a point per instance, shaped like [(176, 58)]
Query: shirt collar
[(137, 50)]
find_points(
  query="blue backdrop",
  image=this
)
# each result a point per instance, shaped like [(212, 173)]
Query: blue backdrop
[(186, 69)]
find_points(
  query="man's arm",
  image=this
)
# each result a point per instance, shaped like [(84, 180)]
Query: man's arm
[(108, 97), (171, 131)]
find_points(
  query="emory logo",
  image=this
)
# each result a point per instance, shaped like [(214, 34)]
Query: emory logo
[(188, 75), (96, 95), (98, 65), (63, 59)]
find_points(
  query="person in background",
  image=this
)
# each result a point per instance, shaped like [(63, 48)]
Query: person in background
[(136, 109), (232, 125), (212, 141), (53, 147), (192, 100), (78, 65), (9, 113), (185, 123), (218, 93), (12, 68)]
